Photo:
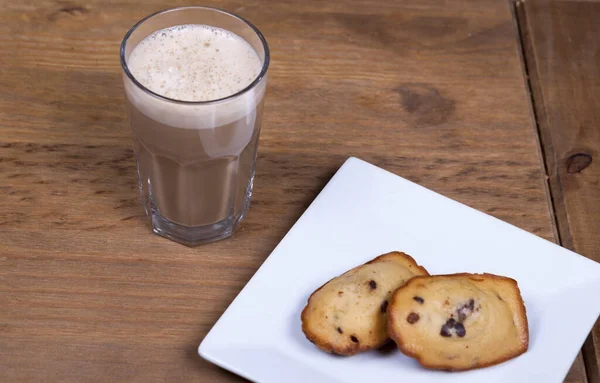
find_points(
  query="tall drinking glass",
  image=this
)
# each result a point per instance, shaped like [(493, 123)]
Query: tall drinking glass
[(196, 159)]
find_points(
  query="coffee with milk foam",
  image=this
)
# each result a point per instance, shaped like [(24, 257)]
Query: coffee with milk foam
[(196, 151)]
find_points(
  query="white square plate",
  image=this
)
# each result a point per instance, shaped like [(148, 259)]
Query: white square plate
[(363, 212)]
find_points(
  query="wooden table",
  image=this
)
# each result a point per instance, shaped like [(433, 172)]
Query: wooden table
[(433, 91)]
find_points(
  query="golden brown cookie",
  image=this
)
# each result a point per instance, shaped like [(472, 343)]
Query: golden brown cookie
[(347, 315), (459, 322)]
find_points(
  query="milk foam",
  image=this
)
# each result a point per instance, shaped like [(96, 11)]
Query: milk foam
[(195, 63)]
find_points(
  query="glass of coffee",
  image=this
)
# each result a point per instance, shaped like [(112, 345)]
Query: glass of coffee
[(195, 80)]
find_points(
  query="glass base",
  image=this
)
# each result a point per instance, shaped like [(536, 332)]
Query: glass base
[(196, 235)]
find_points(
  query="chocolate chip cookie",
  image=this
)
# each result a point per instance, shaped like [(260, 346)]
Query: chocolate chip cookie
[(459, 322), (348, 314)]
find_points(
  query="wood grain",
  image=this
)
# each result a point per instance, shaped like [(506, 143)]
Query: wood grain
[(430, 90), (563, 54)]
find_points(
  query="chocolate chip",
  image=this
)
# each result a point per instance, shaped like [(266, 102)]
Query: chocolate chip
[(353, 338), (445, 332), (419, 299), (471, 304), (460, 329), (372, 284), (384, 306), (339, 329), (449, 325), (465, 310), (340, 293), (413, 318)]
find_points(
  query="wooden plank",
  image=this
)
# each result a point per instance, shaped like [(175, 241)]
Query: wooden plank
[(430, 90), (563, 59)]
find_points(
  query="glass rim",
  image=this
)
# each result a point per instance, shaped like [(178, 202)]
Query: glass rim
[(256, 81)]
